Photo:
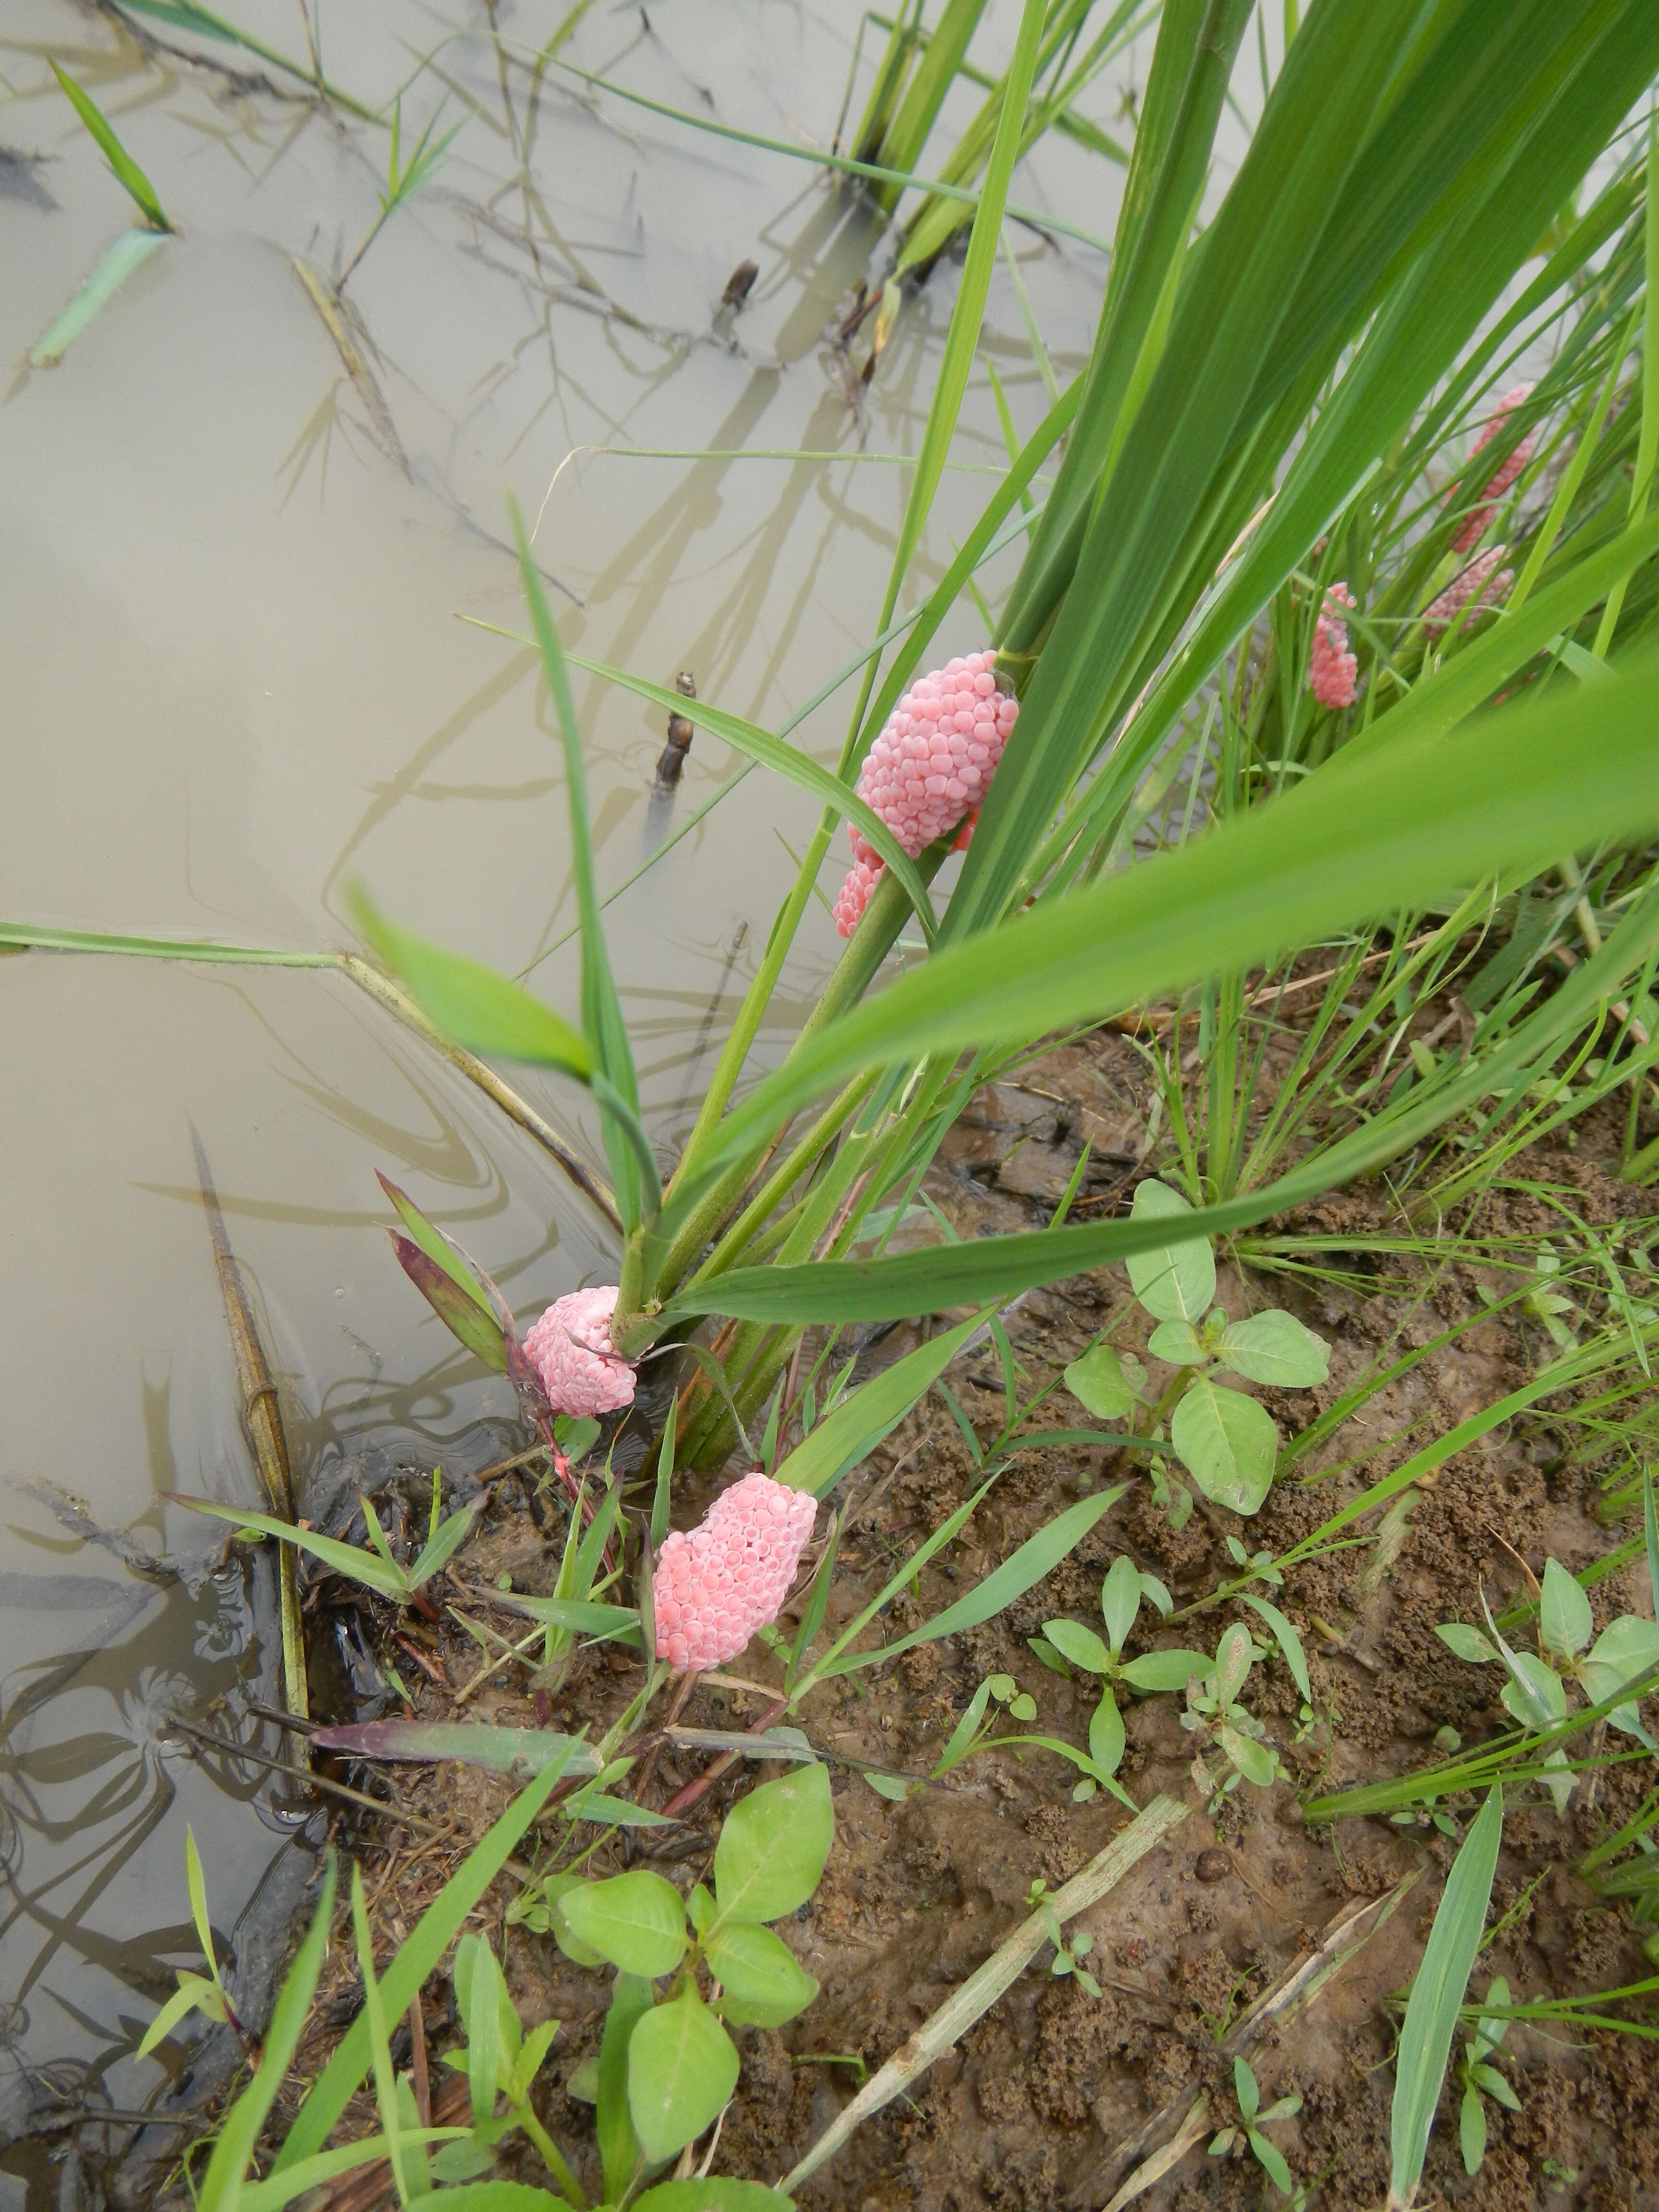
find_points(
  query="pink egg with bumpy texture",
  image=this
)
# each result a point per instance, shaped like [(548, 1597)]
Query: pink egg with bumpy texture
[(714, 1585), (570, 1349), (930, 764)]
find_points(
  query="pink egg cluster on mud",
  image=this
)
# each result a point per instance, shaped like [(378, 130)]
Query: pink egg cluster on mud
[(931, 764), (569, 1347), (713, 1588), (1477, 584), (1333, 670), (1474, 527)]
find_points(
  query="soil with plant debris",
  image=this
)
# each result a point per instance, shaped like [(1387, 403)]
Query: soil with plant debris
[(1046, 2101)]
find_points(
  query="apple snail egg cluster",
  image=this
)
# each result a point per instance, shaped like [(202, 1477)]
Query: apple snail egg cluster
[(570, 1349), (1333, 670), (931, 766), (713, 1587)]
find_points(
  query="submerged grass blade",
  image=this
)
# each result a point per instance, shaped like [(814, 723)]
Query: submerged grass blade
[(129, 252), (186, 16)]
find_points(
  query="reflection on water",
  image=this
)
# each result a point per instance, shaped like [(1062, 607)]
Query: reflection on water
[(235, 681)]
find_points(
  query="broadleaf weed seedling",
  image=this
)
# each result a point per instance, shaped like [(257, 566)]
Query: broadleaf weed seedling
[(1232, 2141), (1480, 2079), (1070, 1951), (1535, 1692), (1227, 1442), (667, 2065)]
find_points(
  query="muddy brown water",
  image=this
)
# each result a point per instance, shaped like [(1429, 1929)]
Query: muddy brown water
[(236, 679)]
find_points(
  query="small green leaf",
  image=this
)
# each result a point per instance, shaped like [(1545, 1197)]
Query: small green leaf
[(1274, 1347), (1495, 2086), (1165, 1670), (194, 1994), (761, 1982), (1106, 1738), (1254, 1761), (1120, 1600), (1245, 2089), (481, 1993), (613, 2126), (682, 2068), (892, 1787), (1627, 1649), (471, 1003), (1465, 1642), (451, 1534), (713, 2196), (1107, 1382), (1235, 1655), (1158, 1592), (1287, 1640), (1472, 2130), (555, 1888), (1534, 1692), (773, 1846), (635, 1920), (1564, 1618), (1079, 1645), (1272, 2160), (1431, 2011), (1178, 1344), (1173, 1281), (197, 1885), (1227, 1443)]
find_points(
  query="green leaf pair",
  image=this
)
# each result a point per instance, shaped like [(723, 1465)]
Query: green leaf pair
[(680, 2064), (1227, 1442)]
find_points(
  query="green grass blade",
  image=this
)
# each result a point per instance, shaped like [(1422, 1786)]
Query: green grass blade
[(602, 1016), (352, 1561), (1213, 428), (129, 252), (1431, 2020), (918, 110), (961, 341), (846, 1437), (472, 1003), (785, 759), (440, 1924), (1037, 1556), (1185, 91), (1042, 219), (127, 170), (30, 936), (240, 2131)]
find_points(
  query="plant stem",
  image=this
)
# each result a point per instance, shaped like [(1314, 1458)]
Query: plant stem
[(551, 2157)]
